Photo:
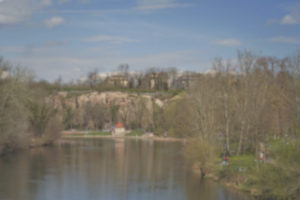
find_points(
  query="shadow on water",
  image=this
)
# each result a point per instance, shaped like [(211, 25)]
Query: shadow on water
[(108, 169)]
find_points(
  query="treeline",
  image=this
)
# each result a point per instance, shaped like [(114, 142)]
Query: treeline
[(245, 109), (26, 115), (245, 103)]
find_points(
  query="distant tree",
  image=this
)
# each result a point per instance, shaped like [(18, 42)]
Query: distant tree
[(140, 111), (14, 94), (58, 82), (68, 117), (124, 69), (124, 113), (201, 153), (24, 110), (94, 114), (40, 115), (114, 113), (92, 78)]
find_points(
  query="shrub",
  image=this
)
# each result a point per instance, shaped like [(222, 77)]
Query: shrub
[(201, 152)]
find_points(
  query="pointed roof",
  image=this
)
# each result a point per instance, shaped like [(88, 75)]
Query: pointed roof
[(119, 125)]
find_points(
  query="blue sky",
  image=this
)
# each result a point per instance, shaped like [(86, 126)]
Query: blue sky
[(69, 38)]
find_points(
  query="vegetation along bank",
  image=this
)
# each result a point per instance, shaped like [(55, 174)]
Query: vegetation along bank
[(241, 119)]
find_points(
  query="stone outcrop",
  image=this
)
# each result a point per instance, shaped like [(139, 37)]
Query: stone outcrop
[(130, 108)]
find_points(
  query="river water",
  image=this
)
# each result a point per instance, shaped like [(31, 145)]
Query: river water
[(105, 169)]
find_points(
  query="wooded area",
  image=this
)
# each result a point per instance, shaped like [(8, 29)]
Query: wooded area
[(245, 108), (26, 115)]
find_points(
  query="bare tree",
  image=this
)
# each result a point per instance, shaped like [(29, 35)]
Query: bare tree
[(92, 78)]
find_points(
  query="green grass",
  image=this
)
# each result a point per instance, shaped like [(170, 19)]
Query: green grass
[(286, 152), (239, 167), (276, 180), (99, 133), (247, 162), (136, 133)]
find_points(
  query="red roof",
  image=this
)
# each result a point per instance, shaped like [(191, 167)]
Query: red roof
[(119, 125)]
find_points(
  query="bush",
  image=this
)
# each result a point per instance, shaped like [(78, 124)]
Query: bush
[(286, 152), (13, 112), (279, 177), (275, 183), (201, 152), (40, 116)]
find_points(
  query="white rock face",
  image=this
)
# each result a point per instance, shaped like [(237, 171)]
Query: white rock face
[(131, 107), (4, 74)]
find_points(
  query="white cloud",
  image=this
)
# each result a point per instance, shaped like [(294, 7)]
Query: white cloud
[(158, 4), (108, 38), (228, 42), (286, 40), (17, 11), (290, 19), (54, 22)]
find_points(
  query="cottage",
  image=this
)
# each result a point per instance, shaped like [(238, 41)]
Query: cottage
[(119, 130)]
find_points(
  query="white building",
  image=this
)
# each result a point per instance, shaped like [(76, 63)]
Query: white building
[(119, 130)]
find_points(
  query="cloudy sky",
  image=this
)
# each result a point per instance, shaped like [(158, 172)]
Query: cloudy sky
[(68, 38)]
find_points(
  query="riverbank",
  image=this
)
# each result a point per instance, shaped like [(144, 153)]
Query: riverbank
[(81, 134), (31, 143), (263, 180), (234, 180), (273, 175)]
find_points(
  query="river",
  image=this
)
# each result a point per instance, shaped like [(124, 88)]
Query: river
[(105, 169)]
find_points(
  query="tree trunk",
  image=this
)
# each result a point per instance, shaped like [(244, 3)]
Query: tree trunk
[(241, 138), (227, 124)]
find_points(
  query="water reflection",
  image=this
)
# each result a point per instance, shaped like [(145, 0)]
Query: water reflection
[(108, 169)]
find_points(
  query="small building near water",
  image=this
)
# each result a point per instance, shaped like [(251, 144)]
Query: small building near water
[(119, 130)]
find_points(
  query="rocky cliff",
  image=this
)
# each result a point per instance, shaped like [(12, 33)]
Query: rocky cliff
[(96, 110)]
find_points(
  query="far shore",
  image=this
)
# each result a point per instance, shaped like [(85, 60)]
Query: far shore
[(81, 134)]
